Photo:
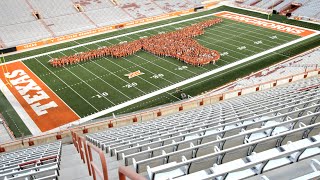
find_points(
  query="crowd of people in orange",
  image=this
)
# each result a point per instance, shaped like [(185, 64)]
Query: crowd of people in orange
[(178, 44)]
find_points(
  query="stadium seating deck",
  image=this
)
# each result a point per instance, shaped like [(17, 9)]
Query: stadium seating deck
[(14, 12), (60, 17), (39, 162), (50, 9), (69, 24), (297, 65), (309, 9), (188, 144), (141, 9), (26, 32), (105, 16), (89, 5)]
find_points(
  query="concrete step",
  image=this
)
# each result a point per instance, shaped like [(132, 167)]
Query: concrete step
[(71, 165)]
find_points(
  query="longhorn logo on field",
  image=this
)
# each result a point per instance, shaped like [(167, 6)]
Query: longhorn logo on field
[(134, 74)]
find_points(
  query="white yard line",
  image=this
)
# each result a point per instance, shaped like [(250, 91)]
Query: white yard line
[(103, 81), (27, 120), (114, 73), (67, 85), (182, 83), (146, 70)]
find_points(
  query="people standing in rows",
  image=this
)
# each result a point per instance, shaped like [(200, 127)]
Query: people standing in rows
[(178, 44)]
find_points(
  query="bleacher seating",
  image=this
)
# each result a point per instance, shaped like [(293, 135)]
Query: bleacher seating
[(175, 5), (39, 162), (264, 161), (188, 144), (68, 24), (309, 9), (89, 5), (141, 9), (297, 65), (19, 25), (53, 8), (14, 12), (105, 17), (22, 33)]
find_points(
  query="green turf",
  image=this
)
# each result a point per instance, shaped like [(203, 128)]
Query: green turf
[(81, 83), (78, 85)]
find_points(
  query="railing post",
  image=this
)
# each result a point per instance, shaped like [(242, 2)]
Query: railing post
[(94, 168), (84, 143)]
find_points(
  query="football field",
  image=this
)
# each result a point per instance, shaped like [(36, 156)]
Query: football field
[(99, 87)]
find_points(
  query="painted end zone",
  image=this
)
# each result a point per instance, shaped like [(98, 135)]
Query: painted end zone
[(266, 24), (43, 106)]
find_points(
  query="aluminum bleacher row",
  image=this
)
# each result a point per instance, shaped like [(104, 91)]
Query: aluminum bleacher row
[(238, 137), (39, 162)]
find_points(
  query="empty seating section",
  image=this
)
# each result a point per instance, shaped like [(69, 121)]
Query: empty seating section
[(175, 5), (18, 25), (284, 4), (53, 8), (307, 61), (266, 4), (13, 35), (230, 134), (14, 12), (68, 24), (89, 5), (141, 9), (39, 162), (261, 162), (310, 9), (106, 16)]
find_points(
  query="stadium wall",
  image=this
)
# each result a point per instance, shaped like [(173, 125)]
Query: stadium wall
[(65, 135)]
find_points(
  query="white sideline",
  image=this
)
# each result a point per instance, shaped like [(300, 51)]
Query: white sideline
[(33, 128), (196, 78)]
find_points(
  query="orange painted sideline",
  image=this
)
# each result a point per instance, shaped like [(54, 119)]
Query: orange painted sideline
[(266, 24), (55, 116)]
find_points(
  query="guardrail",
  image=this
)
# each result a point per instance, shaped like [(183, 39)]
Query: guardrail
[(85, 149)]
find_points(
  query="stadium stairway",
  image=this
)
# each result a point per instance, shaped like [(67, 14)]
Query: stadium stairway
[(71, 165)]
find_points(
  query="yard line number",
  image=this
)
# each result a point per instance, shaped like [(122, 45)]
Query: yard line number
[(104, 94)]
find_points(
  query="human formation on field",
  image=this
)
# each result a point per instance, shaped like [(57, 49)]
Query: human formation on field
[(179, 44)]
